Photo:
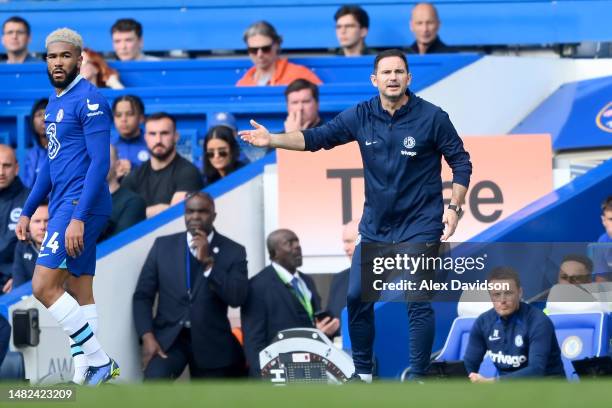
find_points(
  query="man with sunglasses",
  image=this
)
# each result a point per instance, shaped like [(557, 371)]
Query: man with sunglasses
[(402, 139), (263, 45), (519, 338), (166, 177)]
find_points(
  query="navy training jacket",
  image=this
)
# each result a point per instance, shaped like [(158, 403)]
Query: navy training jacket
[(522, 345), (402, 164)]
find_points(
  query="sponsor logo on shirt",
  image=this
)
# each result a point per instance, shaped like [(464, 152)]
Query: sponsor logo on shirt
[(518, 340), (499, 358), (27, 256), (494, 336), (54, 145), (60, 115), (409, 142), (15, 214), (92, 106)]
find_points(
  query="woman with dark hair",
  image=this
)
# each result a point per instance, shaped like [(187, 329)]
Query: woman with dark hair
[(38, 152), (221, 153)]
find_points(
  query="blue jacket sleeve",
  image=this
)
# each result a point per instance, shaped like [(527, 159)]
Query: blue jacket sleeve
[(540, 339), (40, 191), (99, 152), (451, 146), (336, 132), (476, 348), (20, 275)]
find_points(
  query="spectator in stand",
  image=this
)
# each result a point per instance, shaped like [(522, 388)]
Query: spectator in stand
[(280, 297), (98, 72), (352, 24), (338, 289), (221, 154), (602, 251), (15, 39), (128, 112), (166, 177), (128, 42), (263, 44), (128, 207), (26, 252), (302, 97), (37, 154), (12, 198), (575, 269), (424, 24)]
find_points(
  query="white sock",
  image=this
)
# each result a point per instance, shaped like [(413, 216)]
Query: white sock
[(69, 315), (366, 377), (79, 359)]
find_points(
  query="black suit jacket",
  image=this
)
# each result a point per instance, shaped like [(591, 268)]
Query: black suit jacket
[(164, 273), (271, 307), (338, 291)]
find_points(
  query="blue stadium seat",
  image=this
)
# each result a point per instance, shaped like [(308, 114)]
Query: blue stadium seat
[(581, 315), (470, 306), (581, 335)]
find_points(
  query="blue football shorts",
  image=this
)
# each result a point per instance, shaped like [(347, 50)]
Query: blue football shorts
[(53, 250)]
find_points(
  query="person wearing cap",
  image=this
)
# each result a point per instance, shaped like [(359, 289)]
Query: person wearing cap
[(193, 277), (263, 45)]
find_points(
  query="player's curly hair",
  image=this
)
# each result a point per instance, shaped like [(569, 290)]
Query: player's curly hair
[(65, 35)]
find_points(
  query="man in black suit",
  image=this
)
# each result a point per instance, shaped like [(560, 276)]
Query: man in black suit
[(280, 298), (196, 274), (338, 289)]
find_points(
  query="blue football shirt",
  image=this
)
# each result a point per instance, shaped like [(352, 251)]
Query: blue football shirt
[(78, 113)]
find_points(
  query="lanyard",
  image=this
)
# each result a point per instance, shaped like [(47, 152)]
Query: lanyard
[(300, 296), (188, 271)]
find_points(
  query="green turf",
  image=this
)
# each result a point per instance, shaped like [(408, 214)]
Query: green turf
[(382, 394)]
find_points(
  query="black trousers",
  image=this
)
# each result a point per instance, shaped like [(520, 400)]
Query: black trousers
[(179, 355)]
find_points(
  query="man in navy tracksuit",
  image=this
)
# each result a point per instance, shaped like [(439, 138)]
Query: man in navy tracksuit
[(519, 338), (401, 138)]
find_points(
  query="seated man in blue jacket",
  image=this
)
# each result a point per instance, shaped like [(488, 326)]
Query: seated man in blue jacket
[(519, 338)]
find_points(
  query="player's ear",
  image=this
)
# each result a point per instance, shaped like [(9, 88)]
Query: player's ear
[(409, 79)]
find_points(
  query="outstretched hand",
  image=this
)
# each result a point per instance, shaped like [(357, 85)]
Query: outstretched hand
[(259, 136)]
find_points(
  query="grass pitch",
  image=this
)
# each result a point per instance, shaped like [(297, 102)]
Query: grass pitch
[(381, 394)]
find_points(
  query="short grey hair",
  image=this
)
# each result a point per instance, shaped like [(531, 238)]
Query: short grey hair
[(262, 28), (65, 35)]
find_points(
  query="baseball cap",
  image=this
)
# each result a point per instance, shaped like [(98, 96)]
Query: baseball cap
[(222, 119)]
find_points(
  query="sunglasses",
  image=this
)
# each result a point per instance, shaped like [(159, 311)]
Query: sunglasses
[(265, 49), (221, 152)]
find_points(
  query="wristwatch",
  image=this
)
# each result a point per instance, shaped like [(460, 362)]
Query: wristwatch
[(456, 209)]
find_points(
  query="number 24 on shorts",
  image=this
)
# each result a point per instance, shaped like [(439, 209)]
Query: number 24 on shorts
[(52, 243)]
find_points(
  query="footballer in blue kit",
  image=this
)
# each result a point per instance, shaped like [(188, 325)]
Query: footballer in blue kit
[(78, 122)]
